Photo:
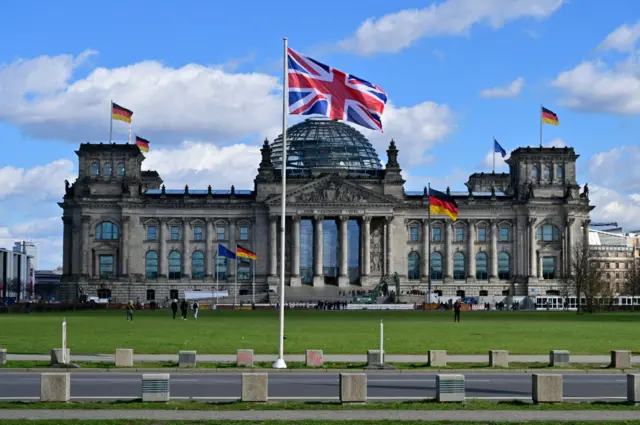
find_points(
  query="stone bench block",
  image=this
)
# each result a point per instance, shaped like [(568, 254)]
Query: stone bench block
[(56, 356), (633, 388), (353, 388), (559, 358), (314, 358), (374, 358), (124, 357), (621, 359), (450, 388), (546, 388), (437, 358), (156, 387), (255, 387), (55, 387), (244, 357), (3, 356), (187, 359), (498, 358)]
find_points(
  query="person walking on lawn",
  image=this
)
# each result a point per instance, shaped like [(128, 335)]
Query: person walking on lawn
[(174, 308), (183, 309), (456, 311), (130, 311), (195, 309)]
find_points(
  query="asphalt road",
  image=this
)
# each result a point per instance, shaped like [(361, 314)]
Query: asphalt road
[(317, 386)]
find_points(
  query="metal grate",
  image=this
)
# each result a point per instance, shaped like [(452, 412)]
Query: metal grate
[(451, 387), (155, 386)]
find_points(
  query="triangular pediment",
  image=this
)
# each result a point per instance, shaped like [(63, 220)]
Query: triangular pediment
[(333, 189)]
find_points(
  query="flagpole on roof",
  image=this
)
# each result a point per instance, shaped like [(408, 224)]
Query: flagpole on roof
[(541, 125), (279, 363), (494, 154), (111, 122), (428, 236)]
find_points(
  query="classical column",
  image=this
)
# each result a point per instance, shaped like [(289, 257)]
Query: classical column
[(343, 278), (67, 246), (471, 248), (231, 264), (569, 246), (186, 249), (365, 261), (448, 256), (125, 246), (295, 279), (209, 250), (163, 255), (86, 248), (585, 233), (318, 273), (273, 246), (533, 262), (493, 275), (389, 245), (424, 266)]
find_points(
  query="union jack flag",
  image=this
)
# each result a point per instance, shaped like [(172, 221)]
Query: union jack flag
[(315, 88)]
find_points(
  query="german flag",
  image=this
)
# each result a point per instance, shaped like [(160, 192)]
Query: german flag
[(245, 253), (120, 114), (441, 203), (143, 144), (549, 117)]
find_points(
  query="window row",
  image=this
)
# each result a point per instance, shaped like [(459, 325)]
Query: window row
[(482, 234), (107, 169), (175, 269), (547, 172), (459, 266), (198, 233)]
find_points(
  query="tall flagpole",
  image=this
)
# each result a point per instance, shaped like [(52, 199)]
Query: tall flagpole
[(429, 245), (235, 281), (111, 122), (216, 262), (279, 363), (494, 154), (129, 133), (540, 125)]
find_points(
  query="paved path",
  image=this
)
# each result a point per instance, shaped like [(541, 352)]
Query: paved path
[(337, 358), (518, 416), (313, 386)]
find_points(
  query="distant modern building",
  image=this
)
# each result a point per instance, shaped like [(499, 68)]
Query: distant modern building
[(350, 223), (47, 284), (31, 249), (16, 275), (617, 254)]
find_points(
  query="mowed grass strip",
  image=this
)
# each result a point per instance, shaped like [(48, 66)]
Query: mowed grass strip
[(335, 332), (253, 422)]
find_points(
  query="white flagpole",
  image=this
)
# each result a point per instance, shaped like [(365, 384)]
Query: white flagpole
[(129, 133), (235, 281), (111, 122), (279, 363), (494, 155)]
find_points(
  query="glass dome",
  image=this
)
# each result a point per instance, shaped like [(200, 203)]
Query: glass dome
[(323, 143)]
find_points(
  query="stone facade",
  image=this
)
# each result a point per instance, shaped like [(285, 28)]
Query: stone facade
[(517, 228)]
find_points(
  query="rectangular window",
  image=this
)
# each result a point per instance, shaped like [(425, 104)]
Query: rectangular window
[(482, 234), (413, 234), (175, 233), (549, 267), (106, 266), (504, 234), (151, 295), (244, 233), (460, 234), (197, 233), (222, 233), (436, 236), (152, 233)]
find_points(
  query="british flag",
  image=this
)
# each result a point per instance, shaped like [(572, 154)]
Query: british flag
[(315, 88)]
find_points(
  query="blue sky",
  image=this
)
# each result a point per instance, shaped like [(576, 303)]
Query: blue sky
[(204, 83)]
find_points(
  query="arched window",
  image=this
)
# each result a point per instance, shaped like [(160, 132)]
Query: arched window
[(436, 266), (221, 267), (481, 266), (504, 266), (151, 265), (559, 172), (120, 169), (413, 260), (106, 231), (458, 266), (197, 265), (175, 265), (548, 233), (534, 173), (547, 172), (95, 169), (108, 169)]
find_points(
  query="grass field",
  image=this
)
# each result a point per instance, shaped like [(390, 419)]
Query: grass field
[(335, 332)]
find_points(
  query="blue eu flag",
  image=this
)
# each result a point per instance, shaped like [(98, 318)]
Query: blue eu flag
[(224, 252), (497, 148)]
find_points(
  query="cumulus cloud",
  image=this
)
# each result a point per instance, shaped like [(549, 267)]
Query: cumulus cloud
[(45, 233), (396, 31), (623, 38), (512, 90), (41, 182)]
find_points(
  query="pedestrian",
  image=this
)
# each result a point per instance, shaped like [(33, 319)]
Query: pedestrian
[(456, 311), (183, 309), (174, 308), (130, 310), (195, 309)]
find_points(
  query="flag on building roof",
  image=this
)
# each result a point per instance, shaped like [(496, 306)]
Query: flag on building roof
[(226, 253), (245, 253), (120, 114), (143, 144), (549, 117), (315, 88), (498, 149), (441, 203)]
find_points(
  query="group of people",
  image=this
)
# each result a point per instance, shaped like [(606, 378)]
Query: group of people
[(184, 308)]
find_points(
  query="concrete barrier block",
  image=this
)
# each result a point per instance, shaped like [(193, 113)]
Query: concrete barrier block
[(55, 387), (3, 356), (559, 358), (314, 358), (56, 356), (633, 388), (546, 388), (255, 387), (353, 388), (244, 358), (450, 388), (498, 358), (437, 358), (187, 359), (374, 358), (156, 387), (124, 357), (621, 359)]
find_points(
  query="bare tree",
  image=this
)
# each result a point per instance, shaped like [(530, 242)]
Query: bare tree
[(632, 281), (587, 279)]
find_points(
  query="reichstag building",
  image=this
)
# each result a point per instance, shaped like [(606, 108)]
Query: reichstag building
[(350, 223)]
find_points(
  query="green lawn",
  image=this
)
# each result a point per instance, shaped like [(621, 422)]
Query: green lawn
[(352, 332), (346, 422)]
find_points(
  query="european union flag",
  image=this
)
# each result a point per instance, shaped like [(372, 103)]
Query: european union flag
[(224, 252), (497, 148)]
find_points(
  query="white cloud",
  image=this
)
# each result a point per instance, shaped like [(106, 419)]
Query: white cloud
[(45, 181), (623, 38), (614, 206), (455, 180), (45, 233), (501, 165), (555, 143), (397, 31), (512, 90)]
